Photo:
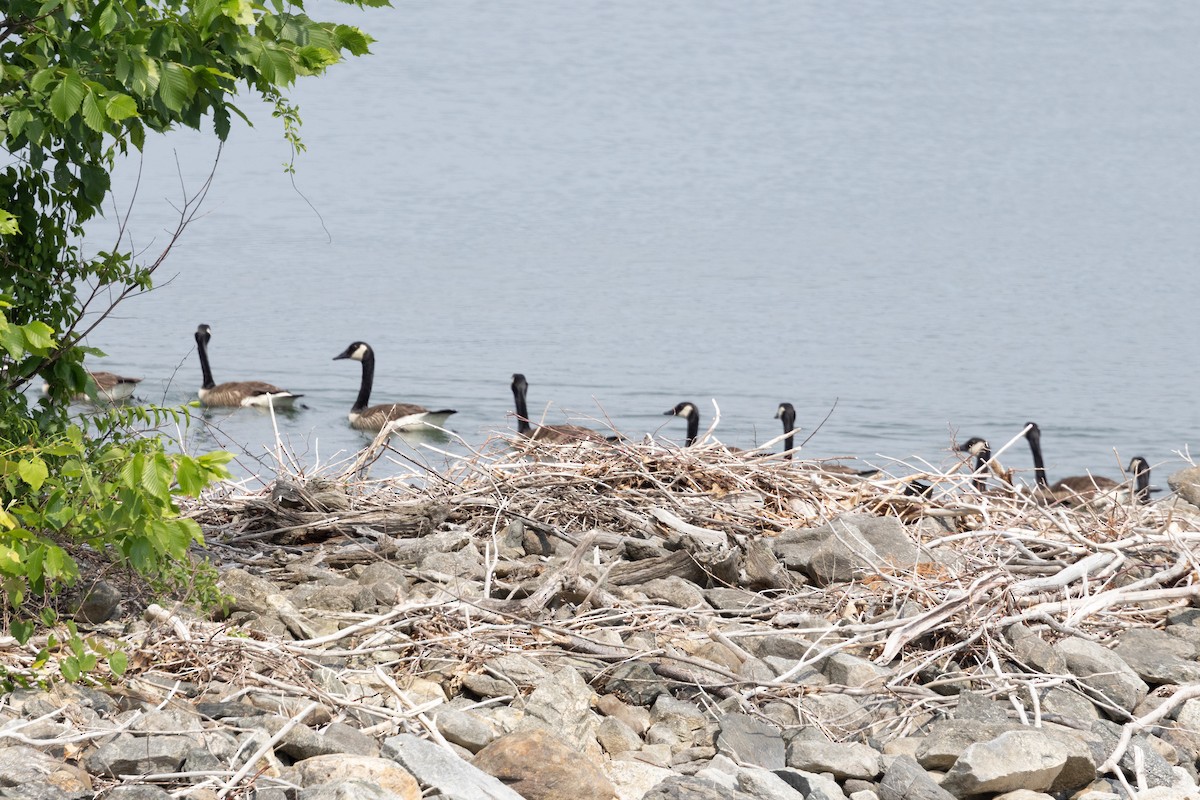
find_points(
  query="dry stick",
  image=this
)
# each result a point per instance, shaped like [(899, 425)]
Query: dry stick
[(1141, 723), (252, 762)]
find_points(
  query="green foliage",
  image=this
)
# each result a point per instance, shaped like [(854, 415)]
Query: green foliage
[(82, 83)]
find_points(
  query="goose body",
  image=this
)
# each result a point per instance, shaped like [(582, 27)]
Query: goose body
[(113, 387), (236, 394), (1081, 488), (688, 412), (553, 434), (109, 386), (395, 416)]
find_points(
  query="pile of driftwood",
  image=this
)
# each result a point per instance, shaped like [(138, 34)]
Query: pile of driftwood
[(628, 513)]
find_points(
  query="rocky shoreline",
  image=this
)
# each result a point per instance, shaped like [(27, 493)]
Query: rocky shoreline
[(633, 623)]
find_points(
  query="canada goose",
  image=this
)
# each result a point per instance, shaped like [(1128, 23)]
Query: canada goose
[(1068, 489), (113, 387), (687, 411), (109, 386), (983, 454), (554, 434), (397, 416), (236, 393), (787, 413)]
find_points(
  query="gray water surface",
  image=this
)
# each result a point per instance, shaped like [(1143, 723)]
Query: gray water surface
[(936, 219)]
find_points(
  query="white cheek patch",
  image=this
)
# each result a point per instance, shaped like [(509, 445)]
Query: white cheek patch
[(359, 352)]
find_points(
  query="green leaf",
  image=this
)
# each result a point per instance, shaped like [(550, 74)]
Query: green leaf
[(353, 39), (21, 630), (38, 337), (33, 471), (95, 114), (8, 223), (120, 106), (118, 662), (69, 667), (41, 79), (67, 96), (176, 86)]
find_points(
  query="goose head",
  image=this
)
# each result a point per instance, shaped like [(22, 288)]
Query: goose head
[(357, 351), (975, 446), (685, 410)]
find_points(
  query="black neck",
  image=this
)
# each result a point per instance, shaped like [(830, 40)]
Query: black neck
[(789, 425), (523, 426), (1039, 466), (693, 429), (202, 349), (1141, 482), (368, 379), (981, 460)]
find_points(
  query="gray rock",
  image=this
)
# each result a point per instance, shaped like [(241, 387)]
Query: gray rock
[(866, 794), (692, 787), (1024, 794), (246, 592), (637, 681), (1034, 651), (519, 671), (443, 771), (1068, 703), (1157, 657), (139, 755), (904, 779), (1186, 484), (1140, 755), (617, 737), (978, 707), (144, 792), (683, 718), (1024, 759), (100, 603), (731, 599), (562, 704), (949, 739), (466, 729), (343, 738), (1104, 671), (853, 545), (750, 741), (811, 785), (847, 670), (839, 714), (765, 785), (636, 717), (348, 789), (25, 766), (761, 569), (674, 591), (842, 760)]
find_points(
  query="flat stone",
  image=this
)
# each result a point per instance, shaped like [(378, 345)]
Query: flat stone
[(949, 739), (636, 681), (1186, 483), (681, 717), (1035, 651), (811, 785), (674, 591), (765, 785), (617, 737), (466, 729), (847, 670), (445, 772), (1024, 759), (349, 789), (538, 765), (854, 545), (383, 772), (972, 705), (750, 741), (636, 717), (1104, 671), (1157, 657), (562, 705), (842, 760), (693, 787), (21, 765), (731, 599), (634, 779), (139, 755)]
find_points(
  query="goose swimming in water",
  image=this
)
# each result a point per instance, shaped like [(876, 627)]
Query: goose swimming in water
[(396, 416), (554, 434), (236, 394), (1080, 488)]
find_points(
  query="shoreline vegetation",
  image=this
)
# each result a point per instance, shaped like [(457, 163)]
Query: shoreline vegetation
[(627, 620)]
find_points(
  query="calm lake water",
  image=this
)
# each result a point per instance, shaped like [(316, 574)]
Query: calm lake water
[(942, 219)]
